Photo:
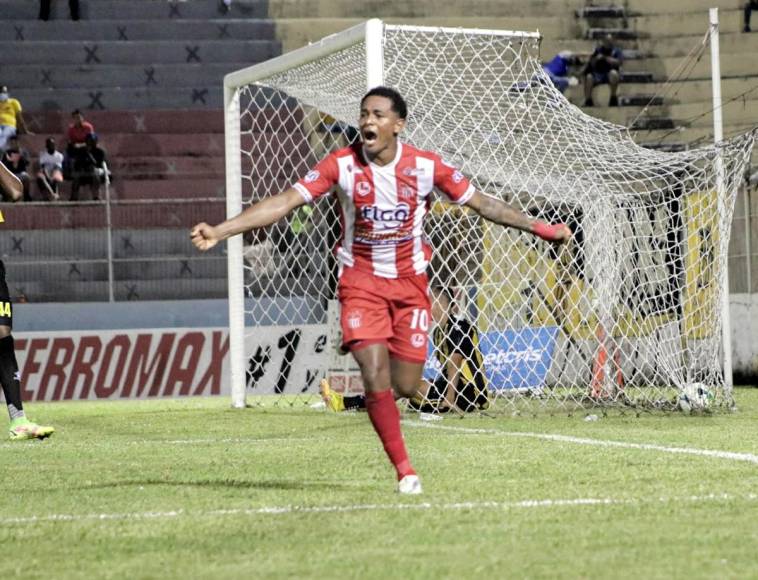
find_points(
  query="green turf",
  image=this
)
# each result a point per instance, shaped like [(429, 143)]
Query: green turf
[(189, 489)]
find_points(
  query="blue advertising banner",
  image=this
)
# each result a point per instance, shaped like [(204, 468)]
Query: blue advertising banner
[(517, 359), (513, 359)]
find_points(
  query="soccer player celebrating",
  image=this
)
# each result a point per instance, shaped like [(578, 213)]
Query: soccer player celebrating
[(21, 427), (385, 189)]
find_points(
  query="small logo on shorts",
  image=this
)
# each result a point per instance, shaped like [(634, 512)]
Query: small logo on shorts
[(418, 340), (354, 320), (312, 176)]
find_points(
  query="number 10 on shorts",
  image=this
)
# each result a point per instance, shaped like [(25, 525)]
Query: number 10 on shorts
[(420, 319)]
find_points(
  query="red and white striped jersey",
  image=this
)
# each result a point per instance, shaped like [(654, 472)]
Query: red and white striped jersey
[(383, 207)]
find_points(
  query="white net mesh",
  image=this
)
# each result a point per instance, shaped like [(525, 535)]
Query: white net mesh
[(628, 314)]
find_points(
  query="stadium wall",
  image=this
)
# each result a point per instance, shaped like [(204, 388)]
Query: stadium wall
[(180, 348)]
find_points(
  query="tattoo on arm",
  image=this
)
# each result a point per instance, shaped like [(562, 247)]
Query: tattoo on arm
[(499, 212)]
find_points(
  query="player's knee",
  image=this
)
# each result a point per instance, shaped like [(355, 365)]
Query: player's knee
[(4, 330), (406, 389), (375, 377)]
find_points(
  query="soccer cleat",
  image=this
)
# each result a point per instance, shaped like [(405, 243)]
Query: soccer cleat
[(21, 429), (333, 400), (409, 485)]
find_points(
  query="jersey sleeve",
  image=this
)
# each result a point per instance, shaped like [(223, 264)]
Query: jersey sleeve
[(319, 180), (450, 181)]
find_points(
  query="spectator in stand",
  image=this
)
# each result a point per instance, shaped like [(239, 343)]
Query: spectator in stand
[(11, 119), (558, 70), (750, 5), (89, 169), (77, 139), (44, 9), (603, 68), (224, 6), (50, 174), (16, 160)]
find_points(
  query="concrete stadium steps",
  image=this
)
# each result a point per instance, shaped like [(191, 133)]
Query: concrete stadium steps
[(405, 9), (190, 167), (296, 32), (169, 188), (732, 65), (142, 98), (680, 46), (85, 243), (119, 145), (682, 23), (47, 216), (699, 114), (136, 10), (146, 51), (698, 91), (176, 121), (132, 30), (694, 136), (112, 76), (123, 290), (678, 7), (156, 268)]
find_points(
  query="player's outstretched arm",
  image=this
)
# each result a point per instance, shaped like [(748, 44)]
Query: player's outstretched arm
[(261, 214), (499, 212), (10, 185)]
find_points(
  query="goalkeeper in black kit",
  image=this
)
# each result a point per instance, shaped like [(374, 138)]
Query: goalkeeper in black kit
[(461, 386), (20, 427)]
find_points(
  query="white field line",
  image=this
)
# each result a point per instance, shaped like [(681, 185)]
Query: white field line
[(748, 457), (423, 506)]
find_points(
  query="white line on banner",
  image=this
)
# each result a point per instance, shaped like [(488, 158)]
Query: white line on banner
[(748, 457), (423, 506)]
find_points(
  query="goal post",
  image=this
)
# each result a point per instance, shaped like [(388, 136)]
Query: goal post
[(628, 314)]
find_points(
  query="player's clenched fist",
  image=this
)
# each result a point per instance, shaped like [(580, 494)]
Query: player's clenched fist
[(557, 233), (204, 236)]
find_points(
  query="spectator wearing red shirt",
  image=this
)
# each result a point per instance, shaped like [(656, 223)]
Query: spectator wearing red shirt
[(77, 139)]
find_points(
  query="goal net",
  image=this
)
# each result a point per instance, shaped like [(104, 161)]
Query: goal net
[(629, 314)]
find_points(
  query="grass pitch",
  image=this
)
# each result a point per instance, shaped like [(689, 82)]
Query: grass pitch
[(194, 489)]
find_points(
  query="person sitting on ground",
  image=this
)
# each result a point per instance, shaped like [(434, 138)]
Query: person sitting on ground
[(16, 160), (77, 140), (603, 68), (462, 385), (50, 173), (89, 169), (11, 118), (558, 69)]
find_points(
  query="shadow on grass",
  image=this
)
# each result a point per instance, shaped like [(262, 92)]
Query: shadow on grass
[(272, 484)]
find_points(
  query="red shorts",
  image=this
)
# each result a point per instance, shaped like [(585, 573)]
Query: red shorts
[(395, 312)]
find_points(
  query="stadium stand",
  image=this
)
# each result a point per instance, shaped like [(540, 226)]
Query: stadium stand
[(149, 74)]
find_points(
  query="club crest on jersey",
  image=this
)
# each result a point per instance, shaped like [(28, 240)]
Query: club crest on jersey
[(354, 320), (312, 176), (406, 192), (363, 188)]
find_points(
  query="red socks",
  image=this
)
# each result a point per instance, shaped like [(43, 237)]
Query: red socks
[(385, 418)]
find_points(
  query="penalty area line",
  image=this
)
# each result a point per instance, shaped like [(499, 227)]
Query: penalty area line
[(735, 456), (422, 506)]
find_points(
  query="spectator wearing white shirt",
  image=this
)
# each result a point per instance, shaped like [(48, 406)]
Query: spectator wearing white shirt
[(50, 174)]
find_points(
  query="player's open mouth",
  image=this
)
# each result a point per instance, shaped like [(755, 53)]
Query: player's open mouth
[(369, 137)]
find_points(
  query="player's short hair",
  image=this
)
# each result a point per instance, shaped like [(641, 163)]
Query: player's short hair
[(444, 292), (398, 102)]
